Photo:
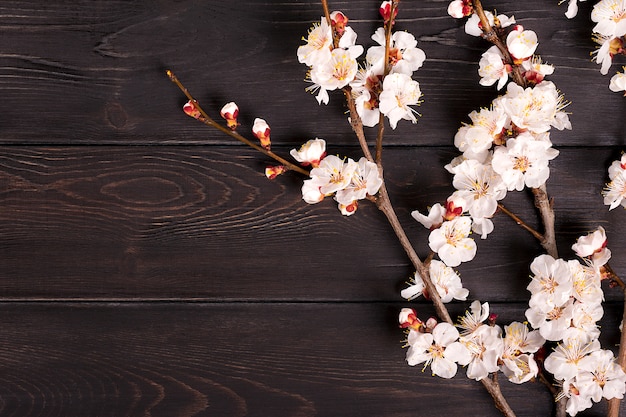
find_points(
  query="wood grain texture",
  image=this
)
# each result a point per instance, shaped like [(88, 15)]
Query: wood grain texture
[(229, 360), (93, 72), (164, 222)]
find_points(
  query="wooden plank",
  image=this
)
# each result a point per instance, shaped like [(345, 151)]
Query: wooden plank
[(93, 72), (230, 360), (191, 222)]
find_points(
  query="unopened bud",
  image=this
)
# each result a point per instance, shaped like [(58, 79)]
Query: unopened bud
[(273, 172), (229, 112), (492, 319), (431, 323), (454, 207), (338, 21), (350, 209), (191, 110), (261, 130), (385, 12), (408, 319)]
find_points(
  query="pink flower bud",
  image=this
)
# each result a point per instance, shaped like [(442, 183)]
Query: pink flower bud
[(273, 172), (431, 323), (408, 319), (454, 208), (191, 110), (338, 21), (350, 209), (261, 130), (229, 112), (385, 11)]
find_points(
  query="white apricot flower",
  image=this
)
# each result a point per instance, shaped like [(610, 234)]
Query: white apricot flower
[(451, 241), (365, 180), (618, 81), (446, 280), (551, 284), (366, 87), (615, 191), (486, 346), (480, 186), (434, 218), (535, 108), (439, 349), (399, 92), (523, 162), (565, 361), (460, 8), (334, 73), (404, 55), (311, 153), (318, 45), (474, 28), (333, 174), (492, 68), (610, 18), (518, 363), (617, 167), (521, 43), (604, 377), (535, 70), (591, 243), (474, 318), (586, 286), (486, 127), (552, 324)]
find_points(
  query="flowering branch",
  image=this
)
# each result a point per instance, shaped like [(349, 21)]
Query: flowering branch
[(204, 118)]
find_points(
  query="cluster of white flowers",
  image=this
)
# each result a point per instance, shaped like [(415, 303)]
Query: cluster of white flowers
[(564, 307), (348, 180), (615, 191), (378, 86), (506, 147), (609, 33), (478, 345)]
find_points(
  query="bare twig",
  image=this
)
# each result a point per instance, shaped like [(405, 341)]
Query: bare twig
[(614, 403), (520, 222)]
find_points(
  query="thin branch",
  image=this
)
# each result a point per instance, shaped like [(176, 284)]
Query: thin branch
[(544, 204), (212, 123), (521, 222)]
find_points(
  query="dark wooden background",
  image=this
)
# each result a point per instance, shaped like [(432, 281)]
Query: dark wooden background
[(148, 268)]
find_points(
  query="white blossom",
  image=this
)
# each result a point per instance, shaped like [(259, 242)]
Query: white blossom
[(404, 55), (433, 219), (523, 162), (521, 43), (610, 18), (445, 279), (618, 81), (318, 44), (492, 68), (311, 153), (439, 349), (480, 186), (451, 241), (399, 92)]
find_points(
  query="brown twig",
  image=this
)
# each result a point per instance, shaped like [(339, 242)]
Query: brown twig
[(212, 123), (520, 222), (544, 204)]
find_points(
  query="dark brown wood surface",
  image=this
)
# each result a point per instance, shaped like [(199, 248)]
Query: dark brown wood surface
[(148, 268)]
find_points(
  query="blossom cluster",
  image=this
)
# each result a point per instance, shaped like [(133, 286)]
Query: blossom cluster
[(478, 344), (377, 87), (564, 307), (506, 147), (348, 180), (609, 33), (615, 191)]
